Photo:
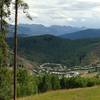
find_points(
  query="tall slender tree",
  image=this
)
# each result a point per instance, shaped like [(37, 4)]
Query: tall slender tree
[(5, 13), (15, 47), (24, 6)]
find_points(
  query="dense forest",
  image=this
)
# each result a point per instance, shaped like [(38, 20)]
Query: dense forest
[(52, 49)]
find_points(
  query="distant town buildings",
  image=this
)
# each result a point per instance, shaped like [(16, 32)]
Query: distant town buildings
[(63, 71)]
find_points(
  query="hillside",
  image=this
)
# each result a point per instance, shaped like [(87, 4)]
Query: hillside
[(75, 94), (22, 62), (84, 34), (52, 49)]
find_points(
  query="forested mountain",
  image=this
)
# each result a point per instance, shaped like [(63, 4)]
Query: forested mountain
[(84, 34), (48, 48)]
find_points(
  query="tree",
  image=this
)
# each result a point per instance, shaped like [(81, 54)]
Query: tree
[(24, 6), (4, 13), (63, 83), (5, 84), (26, 85), (44, 83), (55, 82)]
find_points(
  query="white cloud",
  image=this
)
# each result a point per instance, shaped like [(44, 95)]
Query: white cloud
[(63, 12), (89, 0), (70, 19), (83, 20)]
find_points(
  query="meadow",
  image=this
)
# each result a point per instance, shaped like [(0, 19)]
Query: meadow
[(92, 93)]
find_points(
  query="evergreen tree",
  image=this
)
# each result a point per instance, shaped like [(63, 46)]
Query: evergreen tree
[(26, 85), (55, 82), (5, 84), (4, 13), (63, 83)]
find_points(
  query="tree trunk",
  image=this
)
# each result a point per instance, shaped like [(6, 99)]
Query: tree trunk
[(1, 17), (15, 48)]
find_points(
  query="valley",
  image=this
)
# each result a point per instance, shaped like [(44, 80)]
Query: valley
[(52, 49), (48, 54), (49, 50)]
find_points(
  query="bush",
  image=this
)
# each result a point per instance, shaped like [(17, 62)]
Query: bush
[(26, 85), (55, 82), (80, 82), (5, 84), (91, 82)]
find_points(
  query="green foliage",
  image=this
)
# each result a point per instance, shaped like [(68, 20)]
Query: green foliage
[(5, 74), (63, 83), (91, 82), (1, 57), (26, 85), (5, 13), (42, 49), (5, 84), (55, 82), (44, 83)]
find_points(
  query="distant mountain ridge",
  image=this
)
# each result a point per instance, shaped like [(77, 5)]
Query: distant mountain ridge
[(83, 34), (39, 29)]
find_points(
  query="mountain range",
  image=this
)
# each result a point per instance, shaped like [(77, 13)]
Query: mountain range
[(26, 30), (67, 32), (69, 46), (83, 34)]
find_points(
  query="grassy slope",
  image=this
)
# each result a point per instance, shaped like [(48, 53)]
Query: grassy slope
[(75, 94)]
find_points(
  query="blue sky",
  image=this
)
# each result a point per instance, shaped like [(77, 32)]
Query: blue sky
[(63, 12)]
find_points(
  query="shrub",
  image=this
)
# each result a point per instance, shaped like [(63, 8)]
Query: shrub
[(26, 85), (5, 84)]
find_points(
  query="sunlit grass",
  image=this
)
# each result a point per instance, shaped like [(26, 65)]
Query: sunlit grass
[(74, 94)]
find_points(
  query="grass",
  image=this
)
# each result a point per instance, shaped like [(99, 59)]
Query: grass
[(89, 75), (73, 94)]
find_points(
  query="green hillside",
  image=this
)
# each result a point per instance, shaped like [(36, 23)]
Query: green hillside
[(75, 94), (48, 48)]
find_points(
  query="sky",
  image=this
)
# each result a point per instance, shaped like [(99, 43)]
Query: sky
[(81, 13)]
